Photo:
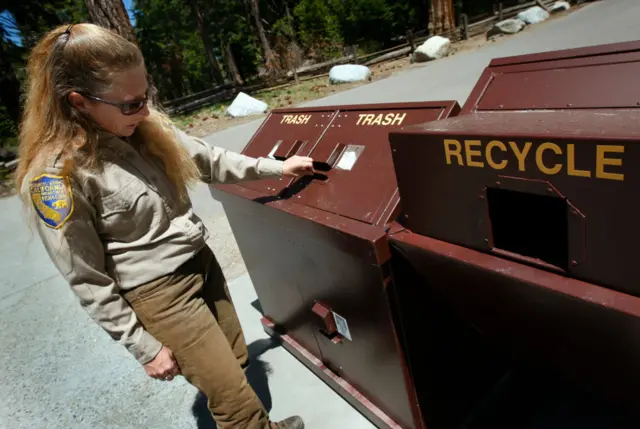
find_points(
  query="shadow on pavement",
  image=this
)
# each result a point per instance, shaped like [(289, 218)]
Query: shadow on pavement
[(257, 375)]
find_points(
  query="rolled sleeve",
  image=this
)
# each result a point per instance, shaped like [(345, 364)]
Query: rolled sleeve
[(78, 254), (223, 166)]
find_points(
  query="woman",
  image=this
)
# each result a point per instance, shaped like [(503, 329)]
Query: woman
[(105, 178)]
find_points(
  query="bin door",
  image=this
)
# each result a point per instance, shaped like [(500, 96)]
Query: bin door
[(281, 136)]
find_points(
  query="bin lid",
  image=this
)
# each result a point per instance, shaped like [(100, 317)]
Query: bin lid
[(555, 189), (603, 76), (356, 177)]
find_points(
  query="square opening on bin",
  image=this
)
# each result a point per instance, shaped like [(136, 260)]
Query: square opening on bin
[(530, 225), (275, 148), (349, 157)]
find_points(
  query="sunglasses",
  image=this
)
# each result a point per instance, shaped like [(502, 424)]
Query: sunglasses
[(128, 108)]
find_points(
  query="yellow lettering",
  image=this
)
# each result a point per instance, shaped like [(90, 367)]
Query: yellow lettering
[(469, 152), (368, 119), (490, 161), (520, 155), (539, 152), (388, 120), (381, 119), (295, 119), (601, 161), (448, 151), (571, 163), (399, 119)]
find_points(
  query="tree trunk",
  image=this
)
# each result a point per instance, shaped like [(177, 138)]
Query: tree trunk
[(293, 48), (232, 66), (216, 73), (269, 57), (175, 67), (111, 14), (442, 16)]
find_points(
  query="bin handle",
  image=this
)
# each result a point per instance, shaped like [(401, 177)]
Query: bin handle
[(330, 330)]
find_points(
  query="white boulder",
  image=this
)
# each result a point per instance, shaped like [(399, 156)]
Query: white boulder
[(508, 26), (346, 73), (245, 105), (433, 48), (560, 6), (533, 15)]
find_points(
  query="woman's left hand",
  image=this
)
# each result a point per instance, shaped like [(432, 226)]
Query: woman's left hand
[(297, 166)]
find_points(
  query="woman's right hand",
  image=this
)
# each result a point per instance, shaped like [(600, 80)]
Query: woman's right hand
[(163, 366)]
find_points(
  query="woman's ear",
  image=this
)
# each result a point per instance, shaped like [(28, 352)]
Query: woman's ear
[(77, 101)]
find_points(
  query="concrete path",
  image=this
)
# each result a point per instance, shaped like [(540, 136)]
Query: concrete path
[(59, 370)]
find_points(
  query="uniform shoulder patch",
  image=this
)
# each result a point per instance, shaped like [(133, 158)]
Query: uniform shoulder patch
[(52, 199)]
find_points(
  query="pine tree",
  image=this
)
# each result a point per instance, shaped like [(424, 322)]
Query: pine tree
[(111, 14)]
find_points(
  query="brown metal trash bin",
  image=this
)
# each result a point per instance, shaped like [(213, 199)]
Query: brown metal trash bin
[(316, 248), (521, 211)]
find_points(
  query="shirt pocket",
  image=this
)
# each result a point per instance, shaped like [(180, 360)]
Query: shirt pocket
[(130, 213)]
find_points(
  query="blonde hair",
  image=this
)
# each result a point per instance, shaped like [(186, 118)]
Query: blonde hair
[(85, 59)]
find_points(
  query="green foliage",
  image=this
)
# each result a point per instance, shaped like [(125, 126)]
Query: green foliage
[(229, 21), (176, 54), (172, 47), (26, 20), (319, 27), (367, 23), (8, 130)]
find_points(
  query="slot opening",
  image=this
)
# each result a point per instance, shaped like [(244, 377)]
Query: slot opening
[(530, 225), (321, 166)]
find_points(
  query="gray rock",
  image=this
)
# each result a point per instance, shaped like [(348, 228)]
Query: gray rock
[(245, 105), (533, 15), (346, 73), (508, 26), (560, 6), (433, 48)]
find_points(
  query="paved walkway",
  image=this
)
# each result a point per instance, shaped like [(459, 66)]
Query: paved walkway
[(59, 370)]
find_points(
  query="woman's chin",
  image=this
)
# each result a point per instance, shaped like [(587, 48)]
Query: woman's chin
[(128, 130)]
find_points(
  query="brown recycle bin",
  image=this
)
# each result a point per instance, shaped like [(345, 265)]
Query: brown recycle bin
[(520, 215), (317, 253)]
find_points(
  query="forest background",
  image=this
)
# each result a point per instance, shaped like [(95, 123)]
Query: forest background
[(196, 45)]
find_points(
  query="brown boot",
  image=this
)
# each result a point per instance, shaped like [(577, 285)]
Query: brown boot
[(294, 422)]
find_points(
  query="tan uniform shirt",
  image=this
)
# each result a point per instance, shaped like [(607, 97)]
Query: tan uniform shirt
[(124, 226)]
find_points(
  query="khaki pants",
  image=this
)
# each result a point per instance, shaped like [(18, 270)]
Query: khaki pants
[(190, 312)]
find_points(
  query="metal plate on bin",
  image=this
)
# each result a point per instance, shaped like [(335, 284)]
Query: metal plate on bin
[(592, 77), (285, 133), (353, 159), (574, 169), (577, 328)]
